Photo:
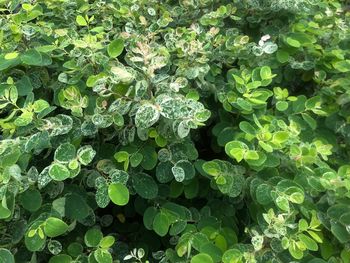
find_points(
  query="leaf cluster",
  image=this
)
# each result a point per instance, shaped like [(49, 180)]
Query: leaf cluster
[(194, 131)]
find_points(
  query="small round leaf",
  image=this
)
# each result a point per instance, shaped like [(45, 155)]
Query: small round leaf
[(58, 172), (145, 186), (118, 193), (93, 237), (65, 153), (6, 256), (161, 224), (31, 200), (55, 227), (202, 258), (86, 154)]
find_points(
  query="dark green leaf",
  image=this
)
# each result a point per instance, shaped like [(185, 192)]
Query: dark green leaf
[(145, 186), (93, 237), (161, 224), (6, 256)]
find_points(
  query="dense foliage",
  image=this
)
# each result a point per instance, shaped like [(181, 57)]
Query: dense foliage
[(197, 131)]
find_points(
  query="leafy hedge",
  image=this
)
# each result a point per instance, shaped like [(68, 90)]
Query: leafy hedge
[(197, 131)]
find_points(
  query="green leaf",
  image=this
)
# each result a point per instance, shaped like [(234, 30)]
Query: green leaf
[(309, 120), (62, 258), (75, 249), (24, 119), (107, 242), (164, 173), (93, 79), (244, 104), (136, 159), (11, 55), (93, 237), (35, 242), (345, 219), (58, 172), (238, 79), (150, 157), (247, 127), (145, 186), (191, 190), (161, 224), (148, 217), (265, 73), (345, 255), (54, 227), (118, 119), (5, 212), (282, 203), (236, 150), (212, 168), (342, 66), (282, 56), (208, 143), (115, 48), (119, 176), (123, 74), (295, 251), (121, 156), (118, 193), (102, 198), (293, 42), (6, 256), (313, 103), (91, 258), (339, 231), (183, 170), (202, 258), (299, 104), (220, 242), (86, 154), (103, 256), (297, 198), (65, 153), (303, 225), (203, 115), (282, 105), (8, 63), (13, 94), (308, 242), (32, 57), (54, 246), (337, 210), (251, 155), (31, 200), (40, 105), (177, 228), (232, 256), (316, 236), (212, 250), (263, 195), (280, 137), (76, 207), (146, 116), (233, 176), (267, 147), (81, 21), (179, 173)]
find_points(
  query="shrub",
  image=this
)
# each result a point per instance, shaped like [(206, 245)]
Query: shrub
[(197, 131)]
